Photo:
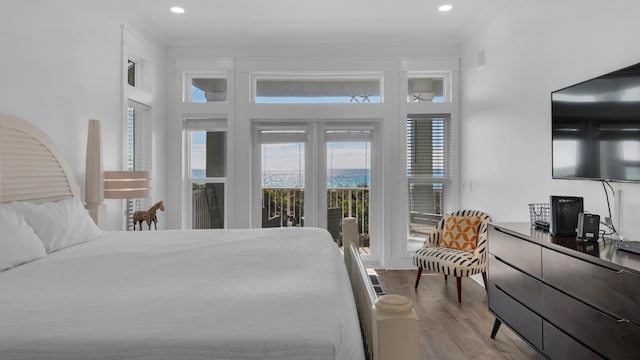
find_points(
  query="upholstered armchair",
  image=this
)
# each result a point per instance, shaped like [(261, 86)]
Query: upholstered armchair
[(457, 247)]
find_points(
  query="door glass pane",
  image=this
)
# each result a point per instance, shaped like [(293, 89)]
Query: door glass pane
[(208, 90), (207, 206), (348, 181), (283, 184)]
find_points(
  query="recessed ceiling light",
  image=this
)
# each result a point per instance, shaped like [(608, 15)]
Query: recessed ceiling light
[(177, 10), (445, 8)]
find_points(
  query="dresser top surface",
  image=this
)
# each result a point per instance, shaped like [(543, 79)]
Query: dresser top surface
[(601, 252)]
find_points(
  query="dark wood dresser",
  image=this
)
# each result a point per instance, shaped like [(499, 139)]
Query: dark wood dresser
[(568, 298)]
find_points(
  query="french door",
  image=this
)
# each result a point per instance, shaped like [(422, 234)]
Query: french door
[(314, 174)]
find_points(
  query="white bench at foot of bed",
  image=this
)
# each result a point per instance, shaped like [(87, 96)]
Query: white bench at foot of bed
[(389, 322)]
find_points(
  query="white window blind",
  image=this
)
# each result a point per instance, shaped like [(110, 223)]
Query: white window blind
[(205, 123), (139, 151), (278, 135), (428, 168), (349, 135), (139, 147)]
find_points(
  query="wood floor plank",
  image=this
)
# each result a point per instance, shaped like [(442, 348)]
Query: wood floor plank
[(449, 330)]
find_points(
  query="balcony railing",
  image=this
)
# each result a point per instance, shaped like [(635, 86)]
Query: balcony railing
[(285, 207)]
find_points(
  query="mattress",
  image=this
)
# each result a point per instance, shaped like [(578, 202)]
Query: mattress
[(204, 294)]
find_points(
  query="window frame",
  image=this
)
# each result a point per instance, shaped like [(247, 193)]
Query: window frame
[(139, 96), (447, 179), (137, 138), (214, 123)]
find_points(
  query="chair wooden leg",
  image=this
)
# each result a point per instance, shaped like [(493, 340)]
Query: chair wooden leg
[(418, 277), (459, 286), (484, 278), (445, 277)]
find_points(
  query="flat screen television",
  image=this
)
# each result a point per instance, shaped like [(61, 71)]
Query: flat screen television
[(595, 128)]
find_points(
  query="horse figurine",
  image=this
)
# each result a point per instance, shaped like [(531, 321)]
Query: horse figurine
[(148, 216)]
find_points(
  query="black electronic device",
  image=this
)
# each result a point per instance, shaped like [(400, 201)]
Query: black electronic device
[(631, 246), (563, 214), (595, 127), (588, 226), (542, 225)]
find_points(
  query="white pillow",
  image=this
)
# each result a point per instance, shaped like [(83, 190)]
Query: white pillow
[(18, 243), (59, 224)]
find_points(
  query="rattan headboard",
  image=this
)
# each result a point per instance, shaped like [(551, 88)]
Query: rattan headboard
[(31, 166)]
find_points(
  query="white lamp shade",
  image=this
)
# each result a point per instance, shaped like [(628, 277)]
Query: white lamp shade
[(94, 186), (127, 184)]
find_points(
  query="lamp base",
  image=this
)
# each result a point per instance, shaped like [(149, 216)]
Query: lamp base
[(98, 213)]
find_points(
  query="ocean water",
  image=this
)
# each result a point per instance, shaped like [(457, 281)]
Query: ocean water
[(293, 178)]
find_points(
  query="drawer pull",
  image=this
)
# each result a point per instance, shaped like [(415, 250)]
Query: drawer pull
[(624, 271), (614, 318)]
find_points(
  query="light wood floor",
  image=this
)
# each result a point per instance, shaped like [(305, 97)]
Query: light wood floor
[(450, 330)]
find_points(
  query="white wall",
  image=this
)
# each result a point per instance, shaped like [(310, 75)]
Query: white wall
[(532, 48), (60, 65)]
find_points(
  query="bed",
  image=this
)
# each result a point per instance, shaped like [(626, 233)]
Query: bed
[(73, 291)]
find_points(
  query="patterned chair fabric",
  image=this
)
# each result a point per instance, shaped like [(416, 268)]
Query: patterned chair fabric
[(449, 261)]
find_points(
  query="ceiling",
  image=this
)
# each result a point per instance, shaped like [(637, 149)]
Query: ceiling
[(292, 22)]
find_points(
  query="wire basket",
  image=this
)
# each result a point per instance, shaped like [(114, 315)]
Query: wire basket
[(539, 212)]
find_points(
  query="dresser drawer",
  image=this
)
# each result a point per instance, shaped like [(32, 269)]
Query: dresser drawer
[(519, 285), (515, 251), (558, 345), (524, 321), (610, 337), (615, 292)]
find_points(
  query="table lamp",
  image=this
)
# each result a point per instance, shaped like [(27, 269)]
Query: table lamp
[(127, 185)]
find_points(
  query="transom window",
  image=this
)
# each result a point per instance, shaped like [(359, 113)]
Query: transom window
[(428, 87), (325, 89), (206, 89)]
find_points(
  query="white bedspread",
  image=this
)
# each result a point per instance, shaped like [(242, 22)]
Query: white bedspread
[(220, 294)]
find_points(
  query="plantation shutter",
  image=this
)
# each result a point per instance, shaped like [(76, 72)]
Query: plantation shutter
[(139, 151), (352, 134), (428, 165)]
